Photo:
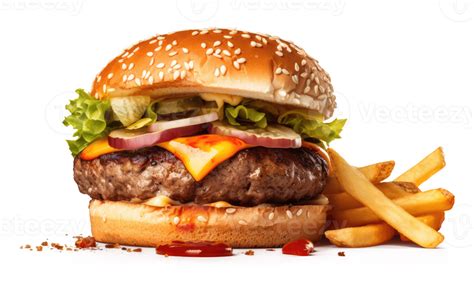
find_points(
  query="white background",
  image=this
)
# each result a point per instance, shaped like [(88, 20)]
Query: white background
[(403, 72)]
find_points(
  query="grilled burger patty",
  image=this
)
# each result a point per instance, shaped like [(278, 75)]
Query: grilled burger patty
[(253, 176)]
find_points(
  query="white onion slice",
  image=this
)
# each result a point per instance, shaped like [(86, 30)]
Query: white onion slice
[(165, 125)]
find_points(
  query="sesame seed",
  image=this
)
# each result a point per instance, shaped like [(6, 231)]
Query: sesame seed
[(223, 70), (176, 67), (186, 65), (194, 33), (230, 44), (160, 38), (241, 60), (322, 89), (175, 75), (191, 65), (182, 74), (176, 220), (111, 89), (216, 72), (236, 65), (230, 210), (306, 89), (174, 42), (279, 53), (130, 77), (299, 212), (150, 54), (253, 43), (322, 97), (124, 66), (173, 53), (297, 67), (295, 79), (258, 37), (143, 73), (153, 41), (203, 32), (242, 222), (217, 55), (245, 35), (218, 51), (217, 43), (227, 37), (304, 74), (226, 52), (289, 214), (203, 45), (217, 31), (125, 54), (152, 61), (157, 48), (168, 47), (130, 67), (161, 75), (285, 71), (160, 65), (138, 81), (110, 75), (120, 61), (98, 78), (130, 55), (303, 62), (264, 41), (201, 218), (185, 50), (316, 90), (160, 43), (124, 78), (150, 80), (278, 71), (104, 88), (233, 32), (282, 93), (136, 49), (209, 51), (271, 216), (173, 62), (237, 51)]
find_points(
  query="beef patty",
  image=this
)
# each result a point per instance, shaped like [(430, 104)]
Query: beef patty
[(251, 177)]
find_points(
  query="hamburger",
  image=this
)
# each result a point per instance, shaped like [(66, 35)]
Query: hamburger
[(205, 135)]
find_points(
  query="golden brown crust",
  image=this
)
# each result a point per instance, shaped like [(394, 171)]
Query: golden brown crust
[(219, 61), (143, 225)]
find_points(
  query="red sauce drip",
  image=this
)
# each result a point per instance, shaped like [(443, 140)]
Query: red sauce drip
[(301, 247), (195, 249)]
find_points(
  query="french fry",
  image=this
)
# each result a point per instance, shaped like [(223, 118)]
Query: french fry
[(375, 234), (424, 169), (362, 236), (358, 186), (434, 221), (437, 200), (343, 201), (376, 173)]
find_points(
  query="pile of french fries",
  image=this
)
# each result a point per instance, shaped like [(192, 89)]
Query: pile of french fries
[(366, 211)]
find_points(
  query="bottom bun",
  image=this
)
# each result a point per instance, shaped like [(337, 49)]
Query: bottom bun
[(240, 227)]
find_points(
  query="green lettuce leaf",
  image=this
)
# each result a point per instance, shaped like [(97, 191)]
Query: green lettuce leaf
[(88, 118), (244, 115), (309, 126)]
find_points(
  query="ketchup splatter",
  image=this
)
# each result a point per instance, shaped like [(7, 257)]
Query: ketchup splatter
[(195, 249), (301, 247)]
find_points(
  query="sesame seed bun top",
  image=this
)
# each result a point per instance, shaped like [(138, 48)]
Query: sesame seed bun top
[(224, 61)]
